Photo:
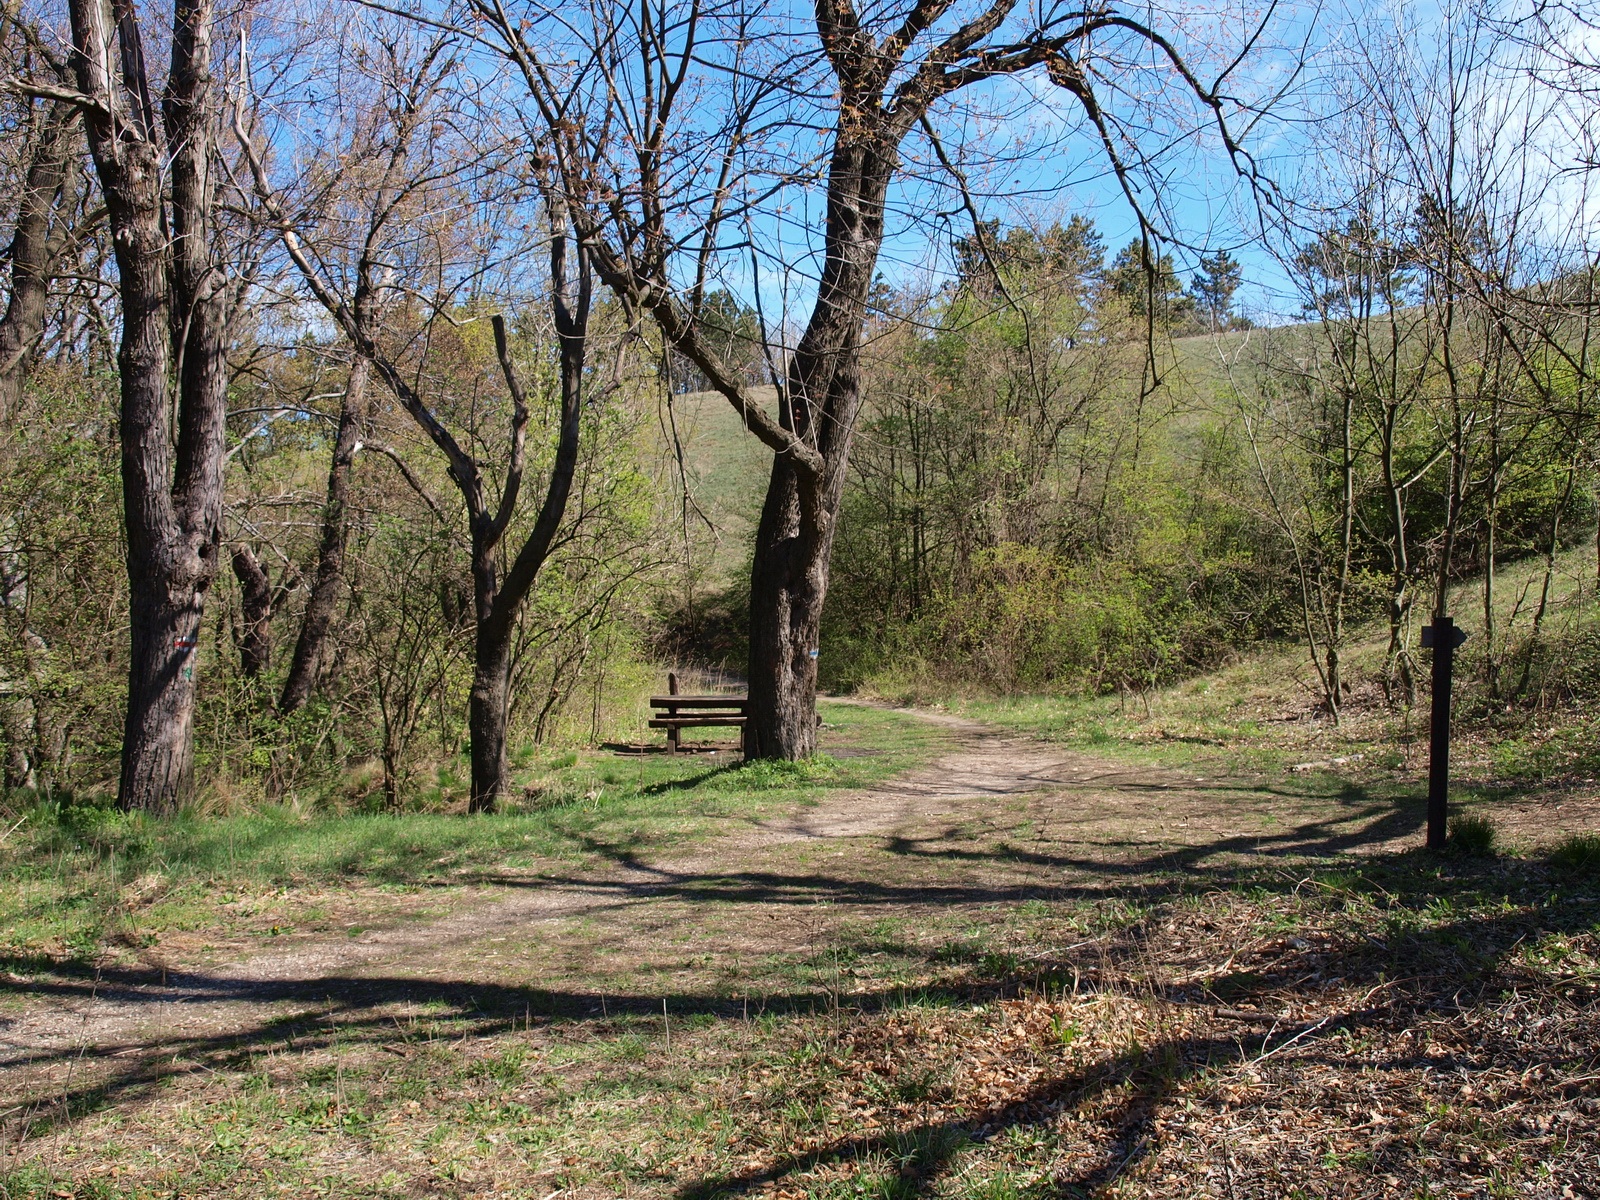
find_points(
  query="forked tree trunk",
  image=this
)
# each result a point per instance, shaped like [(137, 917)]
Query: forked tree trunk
[(794, 540), (786, 596), (173, 296), (888, 72), (499, 603)]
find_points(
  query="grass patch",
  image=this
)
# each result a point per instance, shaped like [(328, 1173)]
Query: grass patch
[(1405, 1025), (1225, 727), (1473, 833), (1579, 852), (77, 879)]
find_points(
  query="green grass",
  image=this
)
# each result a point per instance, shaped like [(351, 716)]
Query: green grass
[(727, 471), (70, 875), (1579, 852), (1260, 714), (1473, 833), (1216, 725)]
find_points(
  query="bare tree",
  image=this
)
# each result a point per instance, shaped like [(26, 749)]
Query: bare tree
[(666, 127), (1301, 426), (46, 204), (415, 102)]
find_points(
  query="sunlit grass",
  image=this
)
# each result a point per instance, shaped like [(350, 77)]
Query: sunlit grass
[(1228, 1025), (65, 868)]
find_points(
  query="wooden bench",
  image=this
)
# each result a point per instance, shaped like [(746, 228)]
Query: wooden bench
[(688, 712)]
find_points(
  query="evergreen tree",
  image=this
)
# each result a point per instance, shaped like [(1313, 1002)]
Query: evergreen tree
[(1072, 254), (1149, 285), (1213, 288)]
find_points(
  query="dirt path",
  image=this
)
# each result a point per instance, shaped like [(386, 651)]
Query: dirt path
[(519, 1042), (995, 820)]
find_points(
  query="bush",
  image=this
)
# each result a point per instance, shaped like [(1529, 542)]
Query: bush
[(1472, 834)]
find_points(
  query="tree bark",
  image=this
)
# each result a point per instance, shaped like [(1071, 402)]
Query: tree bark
[(173, 298), (259, 601), (794, 539), (33, 253), (321, 605), (498, 606), (488, 709)]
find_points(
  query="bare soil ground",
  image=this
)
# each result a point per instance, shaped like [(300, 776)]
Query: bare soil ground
[(927, 838), (1149, 1025)]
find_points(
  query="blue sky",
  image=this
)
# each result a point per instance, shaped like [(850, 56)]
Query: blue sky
[(1031, 158)]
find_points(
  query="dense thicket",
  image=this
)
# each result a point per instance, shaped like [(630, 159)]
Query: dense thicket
[(1032, 508)]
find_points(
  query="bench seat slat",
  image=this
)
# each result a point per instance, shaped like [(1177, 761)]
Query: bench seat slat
[(690, 722), (697, 702)]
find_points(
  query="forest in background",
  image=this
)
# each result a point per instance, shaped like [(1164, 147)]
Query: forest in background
[(1075, 471)]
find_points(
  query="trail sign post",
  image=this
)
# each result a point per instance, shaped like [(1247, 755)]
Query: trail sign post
[(1442, 637)]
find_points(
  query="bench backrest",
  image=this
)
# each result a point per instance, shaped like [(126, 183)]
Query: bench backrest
[(674, 703)]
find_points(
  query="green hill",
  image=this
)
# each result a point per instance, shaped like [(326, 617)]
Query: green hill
[(724, 470)]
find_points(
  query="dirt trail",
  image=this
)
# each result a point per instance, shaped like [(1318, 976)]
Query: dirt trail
[(927, 837)]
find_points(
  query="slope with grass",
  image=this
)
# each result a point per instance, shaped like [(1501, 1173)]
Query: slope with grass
[(1262, 713), (724, 470)]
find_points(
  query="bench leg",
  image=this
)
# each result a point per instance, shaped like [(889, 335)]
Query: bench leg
[(672, 740)]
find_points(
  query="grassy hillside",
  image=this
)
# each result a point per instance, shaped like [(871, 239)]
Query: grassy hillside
[(1260, 715), (725, 471)]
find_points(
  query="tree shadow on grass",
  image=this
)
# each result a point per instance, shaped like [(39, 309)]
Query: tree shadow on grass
[(689, 782), (1413, 969), (1422, 977)]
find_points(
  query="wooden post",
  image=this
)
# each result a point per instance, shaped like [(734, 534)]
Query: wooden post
[(672, 711), (1443, 637)]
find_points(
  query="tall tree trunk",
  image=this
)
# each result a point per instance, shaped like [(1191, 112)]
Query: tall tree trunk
[(498, 605), (1491, 517), (788, 584), (497, 601), (255, 643), (794, 540), (33, 252), (1397, 658), (488, 711), (173, 296), (317, 621)]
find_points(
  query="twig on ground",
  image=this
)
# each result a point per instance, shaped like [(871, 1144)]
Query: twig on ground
[(1266, 1054), (1064, 949), (13, 829)]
